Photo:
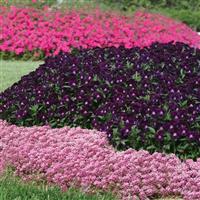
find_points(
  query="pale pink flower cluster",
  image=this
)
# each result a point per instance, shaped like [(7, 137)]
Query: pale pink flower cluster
[(83, 158), (28, 29)]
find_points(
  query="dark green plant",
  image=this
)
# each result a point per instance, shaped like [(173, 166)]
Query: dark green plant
[(28, 55)]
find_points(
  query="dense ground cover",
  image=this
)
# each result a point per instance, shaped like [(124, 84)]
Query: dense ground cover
[(142, 98), (90, 163), (28, 32)]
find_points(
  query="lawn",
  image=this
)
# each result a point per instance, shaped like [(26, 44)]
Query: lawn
[(14, 189), (11, 71)]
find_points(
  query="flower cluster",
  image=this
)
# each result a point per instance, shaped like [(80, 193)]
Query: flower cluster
[(89, 162), (155, 27), (45, 32), (142, 98)]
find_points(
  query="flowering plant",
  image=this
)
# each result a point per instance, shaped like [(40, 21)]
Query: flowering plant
[(142, 98), (30, 32), (83, 158)]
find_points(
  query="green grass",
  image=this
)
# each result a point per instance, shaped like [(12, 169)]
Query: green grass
[(11, 71), (14, 189)]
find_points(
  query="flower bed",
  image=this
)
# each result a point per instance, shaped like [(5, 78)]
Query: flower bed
[(157, 28), (146, 97), (27, 31), (142, 98), (83, 158)]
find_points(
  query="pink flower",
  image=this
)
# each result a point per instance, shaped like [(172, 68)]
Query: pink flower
[(83, 158), (33, 30)]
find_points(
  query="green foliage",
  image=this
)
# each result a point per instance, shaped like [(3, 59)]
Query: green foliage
[(187, 11), (55, 4), (184, 148), (28, 55), (189, 17), (36, 4), (178, 4)]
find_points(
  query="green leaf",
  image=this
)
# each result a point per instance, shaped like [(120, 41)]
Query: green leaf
[(168, 116), (95, 78), (150, 148), (165, 107), (182, 74), (152, 130), (167, 137), (147, 97), (137, 77), (184, 103), (129, 65), (198, 119), (135, 130), (166, 147), (34, 108)]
